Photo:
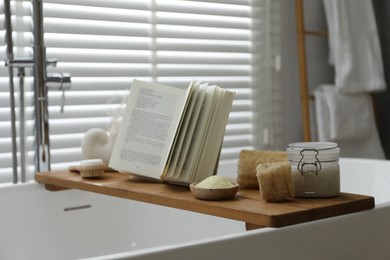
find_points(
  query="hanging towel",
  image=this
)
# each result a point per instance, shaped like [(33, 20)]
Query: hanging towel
[(354, 46), (350, 114), (322, 113), (347, 119)]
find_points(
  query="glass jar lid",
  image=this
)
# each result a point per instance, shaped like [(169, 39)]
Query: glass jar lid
[(323, 151)]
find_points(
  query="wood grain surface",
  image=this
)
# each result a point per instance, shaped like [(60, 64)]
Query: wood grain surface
[(247, 206)]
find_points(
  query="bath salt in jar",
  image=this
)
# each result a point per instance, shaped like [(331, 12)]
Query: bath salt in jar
[(315, 168)]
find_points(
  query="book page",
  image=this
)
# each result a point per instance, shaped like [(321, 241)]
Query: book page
[(210, 155), (190, 132), (207, 136), (148, 129), (177, 147), (199, 135)]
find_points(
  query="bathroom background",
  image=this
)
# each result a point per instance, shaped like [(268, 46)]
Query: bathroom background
[(319, 71), (285, 82)]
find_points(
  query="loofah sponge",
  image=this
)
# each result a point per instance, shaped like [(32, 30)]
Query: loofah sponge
[(92, 168), (275, 181), (248, 161)]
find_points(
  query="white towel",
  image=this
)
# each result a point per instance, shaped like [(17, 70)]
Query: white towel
[(350, 114), (348, 120), (322, 115), (354, 46)]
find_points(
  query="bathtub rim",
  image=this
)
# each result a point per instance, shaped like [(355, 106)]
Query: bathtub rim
[(153, 251)]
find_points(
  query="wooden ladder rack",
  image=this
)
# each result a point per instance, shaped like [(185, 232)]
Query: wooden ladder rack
[(305, 96)]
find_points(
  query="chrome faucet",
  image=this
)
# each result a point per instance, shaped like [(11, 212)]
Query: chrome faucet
[(42, 83)]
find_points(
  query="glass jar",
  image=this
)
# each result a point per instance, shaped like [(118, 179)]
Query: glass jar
[(315, 168)]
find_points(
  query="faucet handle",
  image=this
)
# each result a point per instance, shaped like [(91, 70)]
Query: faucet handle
[(65, 85), (62, 101), (60, 82)]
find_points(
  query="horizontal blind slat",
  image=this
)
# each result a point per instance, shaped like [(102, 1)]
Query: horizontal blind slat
[(99, 56), (90, 69), (192, 32), (203, 8), (71, 40), (73, 26), (120, 4), (185, 19), (67, 11)]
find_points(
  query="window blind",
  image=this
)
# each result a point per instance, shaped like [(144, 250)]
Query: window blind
[(266, 87), (104, 45)]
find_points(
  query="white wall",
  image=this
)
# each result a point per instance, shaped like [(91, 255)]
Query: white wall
[(319, 72)]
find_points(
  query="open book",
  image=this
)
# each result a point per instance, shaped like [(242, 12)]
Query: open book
[(172, 134)]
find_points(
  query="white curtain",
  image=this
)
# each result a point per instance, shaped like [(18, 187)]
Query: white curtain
[(104, 45)]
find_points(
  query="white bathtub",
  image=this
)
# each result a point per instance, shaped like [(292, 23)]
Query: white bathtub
[(71, 224)]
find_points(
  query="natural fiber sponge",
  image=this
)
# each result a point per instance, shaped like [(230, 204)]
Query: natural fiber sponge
[(92, 168), (248, 161), (275, 181)]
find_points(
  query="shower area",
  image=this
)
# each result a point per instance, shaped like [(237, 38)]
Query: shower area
[(29, 84)]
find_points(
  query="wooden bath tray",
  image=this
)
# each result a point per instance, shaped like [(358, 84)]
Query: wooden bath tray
[(247, 206)]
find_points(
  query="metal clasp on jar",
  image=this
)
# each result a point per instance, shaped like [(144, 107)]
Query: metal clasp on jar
[(309, 171)]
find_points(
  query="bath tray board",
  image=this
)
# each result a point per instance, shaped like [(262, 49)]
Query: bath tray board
[(247, 206)]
